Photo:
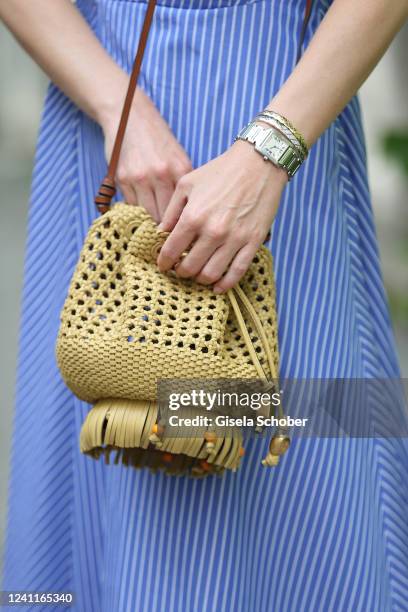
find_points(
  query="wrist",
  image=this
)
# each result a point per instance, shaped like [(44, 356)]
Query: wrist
[(108, 107), (110, 111), (277, 147), (250, 158)]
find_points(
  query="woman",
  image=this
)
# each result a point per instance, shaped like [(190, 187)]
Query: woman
[(327, 529)]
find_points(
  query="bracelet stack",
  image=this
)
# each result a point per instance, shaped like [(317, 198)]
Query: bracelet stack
[(276, 139)]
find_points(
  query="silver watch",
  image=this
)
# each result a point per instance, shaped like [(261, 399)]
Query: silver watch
[(272, 145)]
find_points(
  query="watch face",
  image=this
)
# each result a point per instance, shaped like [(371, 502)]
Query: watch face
[(275, 146)]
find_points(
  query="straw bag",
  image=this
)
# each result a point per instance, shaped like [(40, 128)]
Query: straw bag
[(125, 325)]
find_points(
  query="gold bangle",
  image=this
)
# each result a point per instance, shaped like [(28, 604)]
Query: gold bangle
[(292, 128)]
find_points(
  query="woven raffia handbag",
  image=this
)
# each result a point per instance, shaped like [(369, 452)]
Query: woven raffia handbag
[(125, 326)]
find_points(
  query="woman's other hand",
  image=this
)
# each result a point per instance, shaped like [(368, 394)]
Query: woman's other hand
[(221, 213), (151, 161)]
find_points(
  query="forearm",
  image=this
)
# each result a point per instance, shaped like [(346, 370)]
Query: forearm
[(347, 45), (58, 38)]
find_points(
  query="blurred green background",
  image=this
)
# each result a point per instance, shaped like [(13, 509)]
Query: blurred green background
[(385, 112)]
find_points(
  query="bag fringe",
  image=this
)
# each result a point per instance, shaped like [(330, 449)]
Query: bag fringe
[(126, 426)]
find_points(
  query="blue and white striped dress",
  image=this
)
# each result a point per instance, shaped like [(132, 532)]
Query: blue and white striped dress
[(328, 529)]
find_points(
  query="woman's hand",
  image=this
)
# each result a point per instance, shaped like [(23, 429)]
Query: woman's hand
[(151, 160), (221, 213)]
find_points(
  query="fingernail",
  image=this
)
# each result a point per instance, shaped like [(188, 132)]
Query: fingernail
[(160, 227), (218, 289)]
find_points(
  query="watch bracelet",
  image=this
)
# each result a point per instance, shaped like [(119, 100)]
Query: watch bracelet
[(288, 171)]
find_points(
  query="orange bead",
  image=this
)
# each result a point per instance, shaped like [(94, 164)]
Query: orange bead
[(241, 451), (205, 465), (167, 457), (210, 436)]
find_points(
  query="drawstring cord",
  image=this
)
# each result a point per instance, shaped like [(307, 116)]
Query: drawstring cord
[(280, 441)]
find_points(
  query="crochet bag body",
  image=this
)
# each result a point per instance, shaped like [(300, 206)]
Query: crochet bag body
[(125, 326)]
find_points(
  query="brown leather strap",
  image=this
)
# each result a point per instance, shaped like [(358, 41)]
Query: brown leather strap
[(107, 189)]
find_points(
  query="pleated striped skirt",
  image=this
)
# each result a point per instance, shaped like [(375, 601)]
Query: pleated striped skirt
[(328, 529)]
